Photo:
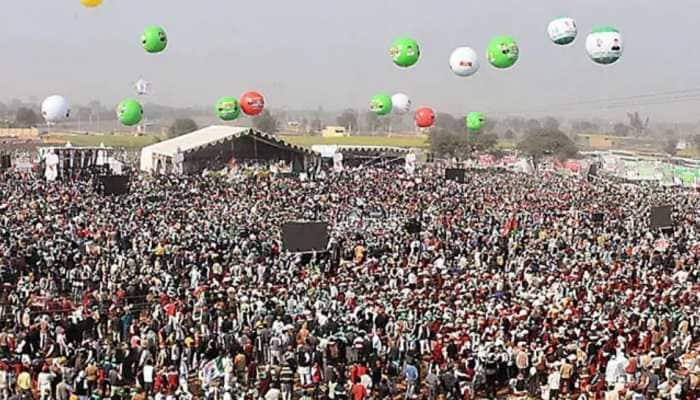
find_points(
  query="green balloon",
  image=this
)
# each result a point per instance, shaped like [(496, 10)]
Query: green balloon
[(381, 104), (227, 108), (405, 52), (475, 121), (129, 112), (502, 52), (154, 39)]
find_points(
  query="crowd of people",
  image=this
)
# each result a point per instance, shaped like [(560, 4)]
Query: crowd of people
[(506, 285)]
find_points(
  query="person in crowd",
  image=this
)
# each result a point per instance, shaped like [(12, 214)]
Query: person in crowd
[(183, 288)]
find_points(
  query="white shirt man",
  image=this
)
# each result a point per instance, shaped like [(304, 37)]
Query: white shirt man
[(44, 383), (273, 394), (553, 380)]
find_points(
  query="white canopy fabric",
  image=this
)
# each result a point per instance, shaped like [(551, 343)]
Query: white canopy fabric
[(326, 150), (195, 139), (201, 138)]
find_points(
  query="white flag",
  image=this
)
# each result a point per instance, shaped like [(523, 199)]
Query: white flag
[(338, 162)]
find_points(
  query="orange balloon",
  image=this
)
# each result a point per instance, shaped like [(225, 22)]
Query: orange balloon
[(252, 103), (425, 117), (91, 3)]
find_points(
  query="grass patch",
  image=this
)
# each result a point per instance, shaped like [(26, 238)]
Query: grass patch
[(506, 145), (403, 141), (137, 142), (108, 140), (691, 152)]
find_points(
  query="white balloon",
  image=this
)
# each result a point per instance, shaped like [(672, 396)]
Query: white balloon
[(464, 61), (562, 31), (401, 103), (604, 45), (55, 109), (143, 87)]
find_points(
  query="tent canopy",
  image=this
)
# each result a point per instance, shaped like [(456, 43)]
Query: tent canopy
[(211, 136), (327, 151)]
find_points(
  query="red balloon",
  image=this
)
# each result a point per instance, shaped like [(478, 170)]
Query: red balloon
[(252, 103), (425, 117)]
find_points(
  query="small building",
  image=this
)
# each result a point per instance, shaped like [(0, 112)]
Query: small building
[(20, 133), (294, 127), (334, 132), (607, 142), (598, 142)]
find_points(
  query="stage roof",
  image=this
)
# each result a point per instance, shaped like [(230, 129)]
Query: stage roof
[(213, 135), (327, 151)]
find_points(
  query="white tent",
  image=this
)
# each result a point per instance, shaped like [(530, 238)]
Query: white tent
[(184, 143), (174, 149)]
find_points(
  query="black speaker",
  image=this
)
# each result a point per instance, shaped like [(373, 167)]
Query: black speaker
[(593, 171), (5, 161), (113, 184), (305, 236), (455, 174), (413, 226), (598, 217), (660, 217)]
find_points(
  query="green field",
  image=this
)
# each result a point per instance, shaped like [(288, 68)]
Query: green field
[(137, 142), (404, 141), (108, 140), (307, 141)]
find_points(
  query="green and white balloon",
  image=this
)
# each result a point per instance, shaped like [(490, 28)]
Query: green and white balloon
[(475, 121), (129, 112), (154, 39), (562, 31), (400, 103), (55, 109), (604, 45), (381, 104), (464, 61), (502, 52), (228, 108), (405, 52)]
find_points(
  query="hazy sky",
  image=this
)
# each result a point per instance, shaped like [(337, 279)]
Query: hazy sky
[(334, 53)]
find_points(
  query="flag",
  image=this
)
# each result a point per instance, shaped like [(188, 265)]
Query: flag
[(338, 162), (509, 226), (486, 160), (51, 172), (214, 369), (661, 245), (410, 166)]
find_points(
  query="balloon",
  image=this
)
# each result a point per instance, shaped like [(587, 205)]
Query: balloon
[(464, 61), (425, 117), (227, 108), (475, 121), (142, 87), (129, 112), (252, 103), (55, 109), (91, 3), (400, 103), (154, 39), (562, 31), (405, 52), (380, 104), (604, 45), (502, 52)]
